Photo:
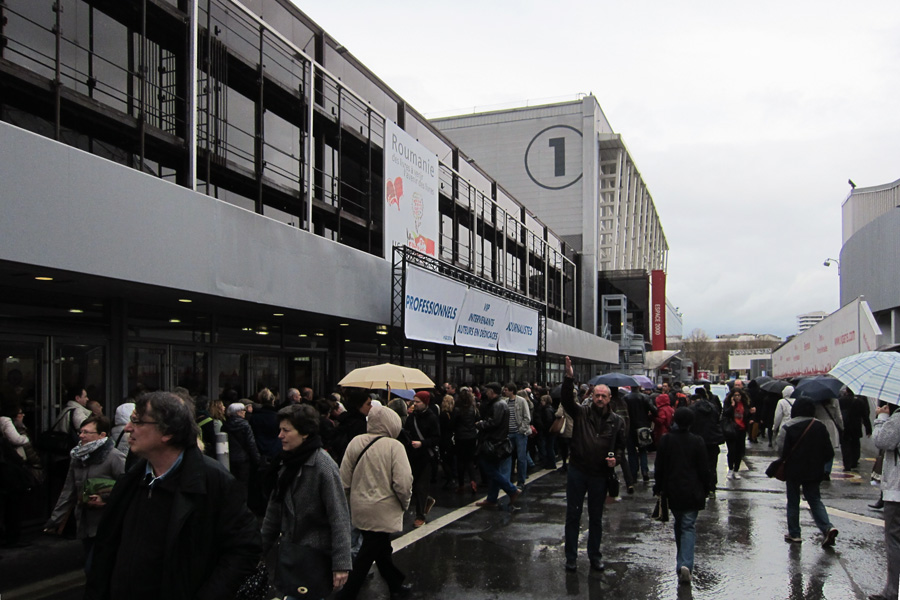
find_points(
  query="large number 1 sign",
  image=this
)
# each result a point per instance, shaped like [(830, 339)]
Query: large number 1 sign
[(547, 162)]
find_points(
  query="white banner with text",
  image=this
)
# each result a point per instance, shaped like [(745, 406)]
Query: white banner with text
[(520, 335), (480, 321), (431, 306)]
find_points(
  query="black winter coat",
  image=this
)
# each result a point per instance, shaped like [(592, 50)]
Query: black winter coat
[(212, 539), (641, 410), (265, 425), (707, 421), (430, 427), (681, 471), (241, 442), (807, 460), (463, 423)]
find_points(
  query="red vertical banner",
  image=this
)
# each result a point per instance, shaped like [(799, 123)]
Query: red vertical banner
[(658, 309)]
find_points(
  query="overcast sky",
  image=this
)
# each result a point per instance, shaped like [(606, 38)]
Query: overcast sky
[(745, 120)]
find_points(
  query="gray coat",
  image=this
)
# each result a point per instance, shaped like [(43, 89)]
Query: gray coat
[(886, 436), (313, 513), (107, 463)]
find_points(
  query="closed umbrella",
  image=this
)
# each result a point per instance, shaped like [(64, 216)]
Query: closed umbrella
[(873, 374), (614, 380), (387, 375), (818, 388)]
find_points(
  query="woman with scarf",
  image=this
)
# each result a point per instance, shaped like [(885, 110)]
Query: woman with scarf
[(307, 514), (95, 465)]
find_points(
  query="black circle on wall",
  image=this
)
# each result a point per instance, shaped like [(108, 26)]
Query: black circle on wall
[(528, 150)]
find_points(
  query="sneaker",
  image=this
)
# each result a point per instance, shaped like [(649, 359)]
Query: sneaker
[(486, 504), (829, 538), (736, 475), (793, 540), (429, 504), (571, 566), (729, 475), (684, 576)]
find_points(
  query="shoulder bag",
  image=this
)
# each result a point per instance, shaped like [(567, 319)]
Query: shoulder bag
[(59, 442), (777, 468)]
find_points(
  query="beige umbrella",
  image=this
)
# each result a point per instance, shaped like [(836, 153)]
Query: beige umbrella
[(388, 376)]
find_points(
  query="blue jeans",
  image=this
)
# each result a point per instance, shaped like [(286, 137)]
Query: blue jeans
[(519, 443), (685, 536), (579, 483), (498, 477), (813, 496)]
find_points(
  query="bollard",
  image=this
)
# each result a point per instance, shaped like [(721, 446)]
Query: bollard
[(222, 450)]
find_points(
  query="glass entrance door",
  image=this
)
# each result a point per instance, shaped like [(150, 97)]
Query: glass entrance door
[(22, 377)]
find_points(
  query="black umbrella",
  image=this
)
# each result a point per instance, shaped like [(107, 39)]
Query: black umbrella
[(614, 380), (761, 380), (818, 389), (776, 386)]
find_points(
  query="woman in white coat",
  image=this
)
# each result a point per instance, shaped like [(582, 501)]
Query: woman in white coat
[(376, 472), (783, 408)]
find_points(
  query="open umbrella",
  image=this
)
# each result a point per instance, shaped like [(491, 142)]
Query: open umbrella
[(761, 380), (818, 389), (387, 375), (874, 374), (645, 382), (614, 380), (776, 386)]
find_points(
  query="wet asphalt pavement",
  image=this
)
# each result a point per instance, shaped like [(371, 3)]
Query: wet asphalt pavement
[(464, 552)]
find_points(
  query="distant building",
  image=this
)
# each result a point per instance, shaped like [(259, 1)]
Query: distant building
[(807, 320), (870, 253)]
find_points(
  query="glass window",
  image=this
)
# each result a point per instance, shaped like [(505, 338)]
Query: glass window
[(146, 368)]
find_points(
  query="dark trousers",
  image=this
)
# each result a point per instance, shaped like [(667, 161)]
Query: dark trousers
[(465, 460), (376, 547), (579, 483), (421, 485), (712, 463), (736, 446), (850, 451)]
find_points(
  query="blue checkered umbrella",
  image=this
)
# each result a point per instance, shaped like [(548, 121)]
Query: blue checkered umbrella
[(873, 374)]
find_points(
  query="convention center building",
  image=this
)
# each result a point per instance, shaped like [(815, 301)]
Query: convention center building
[(217, 195)]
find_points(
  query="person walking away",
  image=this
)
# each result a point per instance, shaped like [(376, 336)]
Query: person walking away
[(855, 415), (682, 475), (735, 417), (462, 424), (886, 436), (307, 514), (377, 475), (95, 458), (598, 443), (829, 413), (424, 431), (493, 430), (783, 408), (543, 420), (174, 526), (663, 419), (806, 444), (641, 411), (243, 453), (707, 416), (519, 430)]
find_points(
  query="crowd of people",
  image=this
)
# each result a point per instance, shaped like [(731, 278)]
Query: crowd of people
[(324, 482)]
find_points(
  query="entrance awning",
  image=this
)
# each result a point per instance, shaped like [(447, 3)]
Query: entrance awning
[(657, 359)]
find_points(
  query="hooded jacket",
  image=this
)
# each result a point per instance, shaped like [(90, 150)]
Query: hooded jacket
[(663, 418), (379, 481), (806, 454), (123, 414), (886, 436), (783, 409)]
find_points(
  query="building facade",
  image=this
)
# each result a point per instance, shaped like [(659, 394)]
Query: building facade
[(565, 162), (870, 220), (194, 195), (807, 320)]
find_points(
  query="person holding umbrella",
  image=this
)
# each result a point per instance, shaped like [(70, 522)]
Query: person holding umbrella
[(886, 436)]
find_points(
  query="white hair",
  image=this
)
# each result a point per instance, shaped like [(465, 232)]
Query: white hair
[(234, 408)]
